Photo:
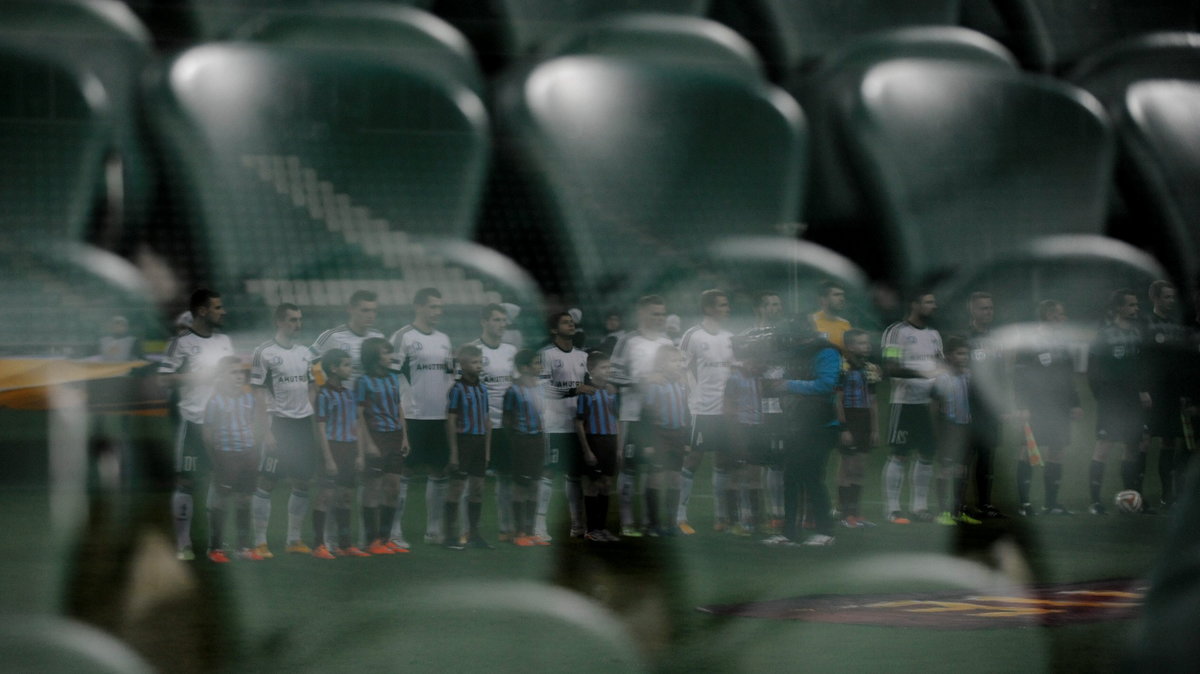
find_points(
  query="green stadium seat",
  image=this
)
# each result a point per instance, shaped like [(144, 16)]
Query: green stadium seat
[(507, 30), (793, 34), (1108, 73), (743, 266), (55, 133), (670, 38), (1052, 35), (960, 162), (415, 38), (63, 646), (1078, 270), (835, 209), (286, 156), (1159, 130), (633, 162), (105, 38), (181, 23)]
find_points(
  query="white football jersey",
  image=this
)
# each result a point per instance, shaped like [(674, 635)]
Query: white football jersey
[(196, 357), (916, 349), (632, 362), (562, 372), (427, 361), (285, 373), (497, 376), (342, 337), (710, 356)]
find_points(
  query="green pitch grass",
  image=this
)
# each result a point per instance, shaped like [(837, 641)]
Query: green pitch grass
[(621, 607)]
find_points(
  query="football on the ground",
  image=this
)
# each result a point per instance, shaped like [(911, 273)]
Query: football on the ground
[(1129, 501)]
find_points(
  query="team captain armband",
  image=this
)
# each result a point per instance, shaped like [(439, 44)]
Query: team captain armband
[(893, 352)]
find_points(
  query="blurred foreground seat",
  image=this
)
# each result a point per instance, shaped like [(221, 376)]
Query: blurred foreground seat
[(793, 35), (1051, 35), (414, 38), (633, 156), (961, 161), (1159, 128), (837, 212), (55, 132), (506, 31), (307, 163), (100, 38)]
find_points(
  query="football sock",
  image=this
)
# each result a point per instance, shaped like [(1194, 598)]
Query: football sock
[(685, 494), (342, 517), (530, 516), (591, 506), (397, 522), (922, 475), (260, 506), (1139, 471), (370, 523), (386, 515), (944, 497), (746, 508), (720, 481), (449, 514), (1052, 478), (673, 497), (652, 508), (544, 492), (216, 525), (983, 475), (1024, 480), (474, 510), (318, 518), (518, 513), (504, 514), (625, 483), (297, 510), (181, 508), (462, 501), (843, 502), (853, 506), (435, 499), (1166, 472), (1129, 475), (331, 531), (775, 492), (575, 502), (602, 511), (893, 477), (242, 520), (1095, 479)]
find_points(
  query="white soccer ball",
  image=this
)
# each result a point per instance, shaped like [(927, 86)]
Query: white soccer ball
[(1129, 501)]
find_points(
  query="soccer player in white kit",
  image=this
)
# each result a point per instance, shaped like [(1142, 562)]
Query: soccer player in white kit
[(497, 377), (191, 365), (361, 313), (424, 357), (564, 371), (632, 362), (281, 374), (912, 354), (709, 351)]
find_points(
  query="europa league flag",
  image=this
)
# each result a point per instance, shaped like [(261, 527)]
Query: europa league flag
[(1035, 456)]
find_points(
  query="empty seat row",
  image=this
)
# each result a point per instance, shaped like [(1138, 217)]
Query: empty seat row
[(290, 161)]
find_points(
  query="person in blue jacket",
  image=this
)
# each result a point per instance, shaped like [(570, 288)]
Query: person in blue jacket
[(807, 397)]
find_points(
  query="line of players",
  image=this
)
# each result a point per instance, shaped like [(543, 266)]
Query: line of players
[(640, 420)]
